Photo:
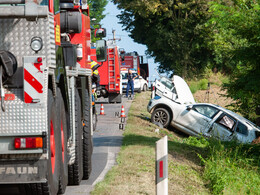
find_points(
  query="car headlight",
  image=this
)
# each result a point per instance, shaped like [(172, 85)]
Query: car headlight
[(36, 44)]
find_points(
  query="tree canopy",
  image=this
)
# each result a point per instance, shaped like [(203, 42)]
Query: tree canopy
[(172, 31), (190, 35), (236, 44)]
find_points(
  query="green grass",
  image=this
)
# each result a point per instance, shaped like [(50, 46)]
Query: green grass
[(196, 165), (198, 85), (232, 168)]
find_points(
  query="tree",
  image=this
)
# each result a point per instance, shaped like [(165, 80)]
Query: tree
[(235, 41), (172, 31)]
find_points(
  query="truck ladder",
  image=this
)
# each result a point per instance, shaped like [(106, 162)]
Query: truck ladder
[(111, 69)]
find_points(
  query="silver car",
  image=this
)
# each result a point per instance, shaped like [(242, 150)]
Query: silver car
[(202, 119)]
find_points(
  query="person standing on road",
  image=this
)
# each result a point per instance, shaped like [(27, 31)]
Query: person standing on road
[(130, 83)]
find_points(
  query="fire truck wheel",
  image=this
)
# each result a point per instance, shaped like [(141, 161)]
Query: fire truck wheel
[(53, 165), (87, 138), (76, 170), (64, 142)]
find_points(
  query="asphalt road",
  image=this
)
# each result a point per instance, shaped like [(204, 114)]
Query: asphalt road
[(107, 142)]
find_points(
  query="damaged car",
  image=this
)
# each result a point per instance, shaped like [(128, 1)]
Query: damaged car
[(173, 104), (203, 119)]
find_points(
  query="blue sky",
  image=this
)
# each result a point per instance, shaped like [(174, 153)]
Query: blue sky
[(111, 22)]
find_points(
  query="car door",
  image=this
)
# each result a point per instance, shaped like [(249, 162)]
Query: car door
[(197, 118), (223, 128), (137, 83)]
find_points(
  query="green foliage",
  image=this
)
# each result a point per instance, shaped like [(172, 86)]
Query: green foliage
[(198, 85), (232, 168), (173, 32), (229, 167), (203, 84), (235, 42)]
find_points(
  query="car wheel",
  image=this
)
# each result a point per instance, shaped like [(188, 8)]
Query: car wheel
[(139, 90), (162, 116)]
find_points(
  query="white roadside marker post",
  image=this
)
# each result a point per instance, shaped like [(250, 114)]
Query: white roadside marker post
[(162, 166)]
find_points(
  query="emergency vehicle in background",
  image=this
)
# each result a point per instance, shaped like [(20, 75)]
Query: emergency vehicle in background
[(45, 83), (110, 81), (139, 65)]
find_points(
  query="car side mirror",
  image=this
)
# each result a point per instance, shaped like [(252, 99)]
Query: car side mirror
[(189, 107)]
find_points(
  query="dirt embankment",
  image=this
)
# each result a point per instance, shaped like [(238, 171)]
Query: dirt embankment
[(214, 95)]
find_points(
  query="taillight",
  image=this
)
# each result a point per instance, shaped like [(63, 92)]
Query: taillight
[(28, 142), (153, 88)]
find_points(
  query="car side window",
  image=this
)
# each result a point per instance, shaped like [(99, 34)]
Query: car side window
[(227, 122), (241, 128), (205, 110)]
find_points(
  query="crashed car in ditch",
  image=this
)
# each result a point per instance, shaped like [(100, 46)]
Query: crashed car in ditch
[(173, 104)]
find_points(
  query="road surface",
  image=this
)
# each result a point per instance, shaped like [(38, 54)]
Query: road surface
[(107, 142)]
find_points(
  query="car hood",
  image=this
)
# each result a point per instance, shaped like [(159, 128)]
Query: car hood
[(183, 91)]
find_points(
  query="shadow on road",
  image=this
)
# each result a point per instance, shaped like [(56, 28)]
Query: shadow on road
[(113, 141)]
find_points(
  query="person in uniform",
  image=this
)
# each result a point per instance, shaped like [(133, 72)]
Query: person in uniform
[(95, 74), (130, 83)]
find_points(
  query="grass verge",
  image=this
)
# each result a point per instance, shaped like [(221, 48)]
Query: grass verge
[(196, 166)]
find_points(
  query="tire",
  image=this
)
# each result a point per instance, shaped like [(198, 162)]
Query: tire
[(62, 125), (139, 90), (54, 157), (87, 138), (145, 87), (76, 170), (161, 115)]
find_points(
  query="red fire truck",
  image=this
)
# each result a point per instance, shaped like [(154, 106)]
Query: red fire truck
[(140, 66), (110, 81), (134, 61), (45, 86)]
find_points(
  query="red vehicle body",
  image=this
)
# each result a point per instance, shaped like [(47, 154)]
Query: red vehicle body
[(134, 61), (110, 81)]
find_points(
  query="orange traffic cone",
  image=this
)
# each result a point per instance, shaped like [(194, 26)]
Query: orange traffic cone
[(122, 112), (102, 112)]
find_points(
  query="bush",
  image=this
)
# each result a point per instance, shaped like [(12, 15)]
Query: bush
[(193, 87), (232, 168), (203, 84), (198, 85)]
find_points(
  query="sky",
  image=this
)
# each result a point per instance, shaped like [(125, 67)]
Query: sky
[(111, 22)]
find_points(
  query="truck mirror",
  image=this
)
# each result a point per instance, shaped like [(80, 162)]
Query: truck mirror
[(100, 32), (101, 50)]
